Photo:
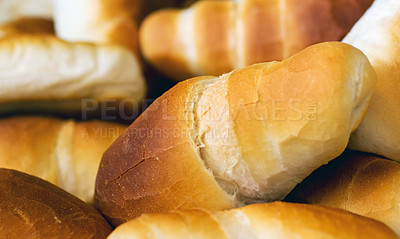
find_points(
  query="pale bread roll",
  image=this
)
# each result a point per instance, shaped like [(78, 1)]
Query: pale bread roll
[(98, 21), (377, 34), (59, 76), (11, 10)]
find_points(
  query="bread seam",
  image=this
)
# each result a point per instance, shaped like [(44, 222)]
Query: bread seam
[(194, 129)]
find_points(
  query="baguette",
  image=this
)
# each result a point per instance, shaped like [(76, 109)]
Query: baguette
[(98, 21), (58, 75), (361, 183), (247, 136), (215, 37), (273, 221), (377, 34), (32, 208), (65, 153)]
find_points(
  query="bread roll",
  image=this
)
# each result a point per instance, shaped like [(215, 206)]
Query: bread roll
[(65, 153), (377, 34), (273, 221), (98, 21), (32, 208), (11, 10), (247, 136), (361, 183), (215, 37), (60, 76), (27, 26)]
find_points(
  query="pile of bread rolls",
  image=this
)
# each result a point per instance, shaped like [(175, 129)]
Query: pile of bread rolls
[(289, 128)]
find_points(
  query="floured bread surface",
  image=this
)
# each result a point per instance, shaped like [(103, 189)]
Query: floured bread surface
[(377, 34)]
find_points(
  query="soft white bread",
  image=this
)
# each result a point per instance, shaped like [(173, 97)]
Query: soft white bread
[(98, 21), (65, 153), (27, 26), (358, 182), (273, 221), (377, 34), (32, 208), (11, 10), (59, 74), (215, 37), (247, 136)]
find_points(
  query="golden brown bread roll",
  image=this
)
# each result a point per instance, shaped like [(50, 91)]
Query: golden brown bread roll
[(377, 34), (45, 73), (32, 208), (27, 26), (215, 37), (98, 21), (273, 221), (248, 136), (65, 153), (361, 183)]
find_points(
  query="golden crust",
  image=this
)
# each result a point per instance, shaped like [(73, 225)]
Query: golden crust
[(177, 155), (33, 208), (158, 37), (274, 220), (216, 22), (361, 183), (154, 167), (257, 31)]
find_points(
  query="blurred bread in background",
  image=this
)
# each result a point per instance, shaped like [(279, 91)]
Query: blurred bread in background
[(216, 37), (12, 10), (63, 152), (27, 26), (43, 73)]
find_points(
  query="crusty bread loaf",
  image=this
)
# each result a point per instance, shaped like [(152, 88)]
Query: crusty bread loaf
[(260, 221), (59, 74), (11, 10), (361, 183), (27, 26), (32, 208), (65, 153), (377, 34), (98, 21), (215, 37), (250, 135)]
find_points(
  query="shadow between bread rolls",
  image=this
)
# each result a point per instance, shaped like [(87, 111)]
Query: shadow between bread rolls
[(248, 136), (33, 208)]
